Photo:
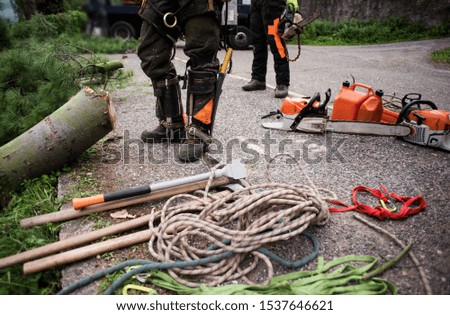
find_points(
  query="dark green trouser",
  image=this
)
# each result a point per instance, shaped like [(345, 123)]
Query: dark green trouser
[(201, 29)]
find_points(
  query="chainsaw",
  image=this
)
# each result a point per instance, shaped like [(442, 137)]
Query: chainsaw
[(362, 113)]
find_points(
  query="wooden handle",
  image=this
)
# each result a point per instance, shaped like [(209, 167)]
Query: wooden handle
[(79, 203), (86, 252), (226, 60), (70, 213)]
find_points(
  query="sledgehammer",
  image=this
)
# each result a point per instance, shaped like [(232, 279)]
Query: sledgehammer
[(235, 170)]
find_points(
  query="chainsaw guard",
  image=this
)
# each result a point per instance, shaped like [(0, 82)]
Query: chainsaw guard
[(278, 125), (308, 124)]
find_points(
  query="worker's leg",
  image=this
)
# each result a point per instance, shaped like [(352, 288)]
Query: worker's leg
[(259, 42), (155, 52), (279, 51), (202, 34)]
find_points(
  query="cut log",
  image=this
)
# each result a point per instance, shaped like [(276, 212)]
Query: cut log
[(58, 139)]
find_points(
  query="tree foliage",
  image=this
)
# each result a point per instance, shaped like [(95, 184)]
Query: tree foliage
[(41, 70)]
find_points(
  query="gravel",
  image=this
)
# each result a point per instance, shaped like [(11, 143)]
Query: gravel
[(335, 162)]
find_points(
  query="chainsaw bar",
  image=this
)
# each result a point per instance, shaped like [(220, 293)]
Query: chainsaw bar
[(296, 28), (321, 125), (368, 128)]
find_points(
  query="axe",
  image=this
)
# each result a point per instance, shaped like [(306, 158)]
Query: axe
[(234, 170)]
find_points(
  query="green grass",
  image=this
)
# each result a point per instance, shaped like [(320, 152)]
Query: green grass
[(362, 32), (41, 60), (441, 56), (38, 197)]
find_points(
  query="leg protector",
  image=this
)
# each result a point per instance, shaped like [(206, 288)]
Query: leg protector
[(200, 113), (200, 98), (168, 111), (168, 102)]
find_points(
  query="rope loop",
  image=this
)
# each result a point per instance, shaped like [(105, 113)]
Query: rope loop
[(240, 223)]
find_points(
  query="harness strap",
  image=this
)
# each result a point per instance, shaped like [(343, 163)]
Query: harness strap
[(172, 13), (381, 212)]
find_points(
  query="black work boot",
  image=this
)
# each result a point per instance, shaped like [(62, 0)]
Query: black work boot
[(281, 91), (193, 148), (163, 133), (156, 135), (254, 85)]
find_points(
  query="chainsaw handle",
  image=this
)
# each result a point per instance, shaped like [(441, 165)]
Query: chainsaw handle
[(307, 109), (408, 107), (325, 102), (315, 98), (408, 98)]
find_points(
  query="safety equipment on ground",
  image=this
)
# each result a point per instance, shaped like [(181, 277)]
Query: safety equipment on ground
[(381, 212), (358, 109)]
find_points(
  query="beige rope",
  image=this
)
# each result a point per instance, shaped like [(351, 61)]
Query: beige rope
[(247, 219)]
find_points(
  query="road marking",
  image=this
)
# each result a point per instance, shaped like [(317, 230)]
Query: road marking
[(291, 94)]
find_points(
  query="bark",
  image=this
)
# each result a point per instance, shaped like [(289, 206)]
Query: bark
[(58, 139), (28, 8)]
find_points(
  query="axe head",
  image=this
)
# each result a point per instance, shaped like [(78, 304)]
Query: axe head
[(236, 170)]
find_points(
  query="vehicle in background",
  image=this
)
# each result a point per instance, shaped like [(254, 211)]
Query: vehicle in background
[(123, 21), (7, 12), (237, 28), (123, 18)]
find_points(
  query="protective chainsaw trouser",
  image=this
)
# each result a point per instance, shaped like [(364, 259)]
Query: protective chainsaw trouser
[(199, 21), (264, 18)]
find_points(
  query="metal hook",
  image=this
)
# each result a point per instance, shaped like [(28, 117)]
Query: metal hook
[(167, 16), (383, 204)]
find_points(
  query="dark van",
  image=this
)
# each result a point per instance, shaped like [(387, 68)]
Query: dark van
[(123, 21)]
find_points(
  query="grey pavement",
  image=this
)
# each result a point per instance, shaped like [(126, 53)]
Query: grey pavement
[(335, 162)]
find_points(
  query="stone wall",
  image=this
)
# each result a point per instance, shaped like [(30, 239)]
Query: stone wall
[(429, 12)]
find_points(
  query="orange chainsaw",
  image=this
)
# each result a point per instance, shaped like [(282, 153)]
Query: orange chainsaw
[(358, 109)]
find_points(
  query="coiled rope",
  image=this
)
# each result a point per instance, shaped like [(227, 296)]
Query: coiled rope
[(239, 223), (222, 240)]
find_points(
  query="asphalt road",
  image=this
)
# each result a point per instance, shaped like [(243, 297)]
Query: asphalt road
[(335, 162)]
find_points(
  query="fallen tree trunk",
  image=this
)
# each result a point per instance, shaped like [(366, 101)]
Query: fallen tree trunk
[(57, 140)]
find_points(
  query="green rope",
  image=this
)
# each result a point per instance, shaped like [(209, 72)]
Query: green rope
[(147, 266), (339, 276)]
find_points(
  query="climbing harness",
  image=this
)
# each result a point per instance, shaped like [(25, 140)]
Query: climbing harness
[(382, 212)]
